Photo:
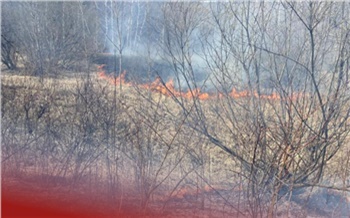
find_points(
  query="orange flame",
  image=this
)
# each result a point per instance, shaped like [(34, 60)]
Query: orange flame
[(114, 80), (168, 89)]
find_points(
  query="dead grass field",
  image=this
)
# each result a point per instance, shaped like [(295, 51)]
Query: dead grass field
[(81, 143)]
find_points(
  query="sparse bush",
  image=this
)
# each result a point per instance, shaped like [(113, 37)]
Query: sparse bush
[(270, 136)]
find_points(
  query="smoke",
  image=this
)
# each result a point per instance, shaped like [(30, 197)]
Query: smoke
[(130, 34)]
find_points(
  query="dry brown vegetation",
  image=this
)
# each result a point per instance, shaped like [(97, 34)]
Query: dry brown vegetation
[(138, 150), (63, 131), (237, 109)]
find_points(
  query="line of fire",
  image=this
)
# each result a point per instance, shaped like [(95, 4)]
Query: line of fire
[(168, 88)]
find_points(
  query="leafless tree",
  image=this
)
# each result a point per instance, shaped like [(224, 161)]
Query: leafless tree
[(290, 120), (8, 44), (265, 83)]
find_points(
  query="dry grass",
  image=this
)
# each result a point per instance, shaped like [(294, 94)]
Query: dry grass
[(147, 126), (139, 143)]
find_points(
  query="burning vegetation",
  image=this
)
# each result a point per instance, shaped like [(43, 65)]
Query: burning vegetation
[(227, 109), (168, 88)]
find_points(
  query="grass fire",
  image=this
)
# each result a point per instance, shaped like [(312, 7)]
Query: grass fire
[(168, 89), (175, 109)]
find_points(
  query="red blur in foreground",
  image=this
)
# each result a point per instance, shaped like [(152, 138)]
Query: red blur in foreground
[(23, 202), (26, 208)]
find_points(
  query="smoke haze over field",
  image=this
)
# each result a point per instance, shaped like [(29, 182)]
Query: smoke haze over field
[(167, 97)]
